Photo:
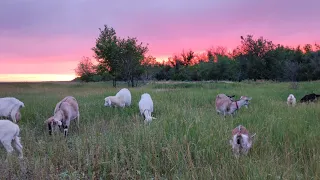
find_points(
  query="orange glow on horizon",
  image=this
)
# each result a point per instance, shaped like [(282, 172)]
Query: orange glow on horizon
[(35, 77)]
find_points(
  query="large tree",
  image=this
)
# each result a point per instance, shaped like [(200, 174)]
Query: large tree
[(122, 57), (132, 55)]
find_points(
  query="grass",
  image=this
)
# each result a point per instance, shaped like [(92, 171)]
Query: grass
[(188, 140)]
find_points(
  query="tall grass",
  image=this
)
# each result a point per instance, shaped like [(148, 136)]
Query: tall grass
[(188, 140)]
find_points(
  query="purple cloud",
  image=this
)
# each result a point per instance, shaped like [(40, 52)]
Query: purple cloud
[(34, 29)]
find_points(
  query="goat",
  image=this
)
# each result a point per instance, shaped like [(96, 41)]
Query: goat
[(121, 99), (10, 108), (226, 106), (146, 107), (291, 100), (9, 132), (241, 141), (309, 98), (65, 111)]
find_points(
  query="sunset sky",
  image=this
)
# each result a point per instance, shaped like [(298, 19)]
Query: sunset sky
[(44, 40)]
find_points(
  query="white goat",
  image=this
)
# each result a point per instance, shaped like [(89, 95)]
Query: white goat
[(65, 111), (225, 106), (241, 141), (9, 132), (10, 108), (291, 100), (146, 107), (121, 99)]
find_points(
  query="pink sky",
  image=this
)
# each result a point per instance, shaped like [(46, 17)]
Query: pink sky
[(50, 37)]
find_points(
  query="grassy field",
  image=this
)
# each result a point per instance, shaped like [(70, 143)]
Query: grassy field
[(188, 140)]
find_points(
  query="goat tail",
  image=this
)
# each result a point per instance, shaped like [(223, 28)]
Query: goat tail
[(239, 137)]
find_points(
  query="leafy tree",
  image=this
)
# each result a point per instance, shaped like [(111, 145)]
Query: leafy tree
[(107, 51), (132, 55), (85, 69), (122, 57), (187, 57), (255, 58)]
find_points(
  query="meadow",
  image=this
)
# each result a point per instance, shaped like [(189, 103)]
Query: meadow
[(188, 140)]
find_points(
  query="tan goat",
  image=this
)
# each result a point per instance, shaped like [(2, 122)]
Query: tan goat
[(241, 141), (224, 105), (65, 111)]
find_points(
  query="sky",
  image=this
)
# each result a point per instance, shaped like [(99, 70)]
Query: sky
[(43, 40)]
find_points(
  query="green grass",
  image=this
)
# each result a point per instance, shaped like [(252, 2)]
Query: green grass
[(188, 140)]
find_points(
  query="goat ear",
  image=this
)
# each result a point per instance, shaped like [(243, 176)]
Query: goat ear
[(109, 101), (48, 120)]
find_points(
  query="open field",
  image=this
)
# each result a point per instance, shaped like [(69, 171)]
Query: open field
[(188, 140)]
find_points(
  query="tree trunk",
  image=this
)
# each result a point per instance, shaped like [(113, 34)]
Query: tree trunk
[(114, 82), (132, 81)]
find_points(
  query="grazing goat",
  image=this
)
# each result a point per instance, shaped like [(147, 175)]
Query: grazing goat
[(65, 111), (225, 106), (291, 100), (10, 108), (121, 99), (241, 141), (9, 132), (309, 98), (146, 107)]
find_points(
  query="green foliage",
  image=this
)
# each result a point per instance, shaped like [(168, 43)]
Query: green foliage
[(253, 59), (121, 57)]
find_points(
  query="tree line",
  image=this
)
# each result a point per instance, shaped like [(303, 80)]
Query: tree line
[(125, 59)]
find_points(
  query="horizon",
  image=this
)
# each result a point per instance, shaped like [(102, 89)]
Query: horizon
[(38, 43)]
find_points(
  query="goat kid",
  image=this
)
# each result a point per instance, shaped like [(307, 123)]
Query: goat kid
[(241, 141), (9, 132), (121, 99), (146, 107), (291, 100), (225, 106), (309, 98)]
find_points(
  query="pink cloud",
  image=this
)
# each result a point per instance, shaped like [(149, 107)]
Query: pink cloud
[(38, 66)]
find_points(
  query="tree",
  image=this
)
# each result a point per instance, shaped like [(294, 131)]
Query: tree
[(85, 69), (149, 66), (132, 55), (255, 52), (107, 52), (187, 57), (210, 56), (123, 57)]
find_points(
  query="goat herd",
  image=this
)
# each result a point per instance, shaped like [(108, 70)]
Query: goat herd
[(67, 109)]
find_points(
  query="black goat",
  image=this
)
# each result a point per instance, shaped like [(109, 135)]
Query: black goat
[(309, 98)]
